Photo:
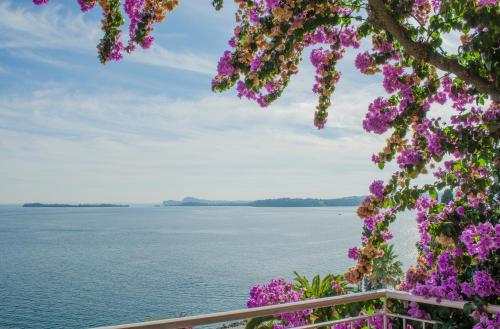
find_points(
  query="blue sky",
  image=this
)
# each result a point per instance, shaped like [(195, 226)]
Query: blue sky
[(148, 128)]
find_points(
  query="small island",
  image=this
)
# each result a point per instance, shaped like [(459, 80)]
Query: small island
[(81, 205)]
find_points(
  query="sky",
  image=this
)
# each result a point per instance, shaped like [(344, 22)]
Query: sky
[(148, 128)]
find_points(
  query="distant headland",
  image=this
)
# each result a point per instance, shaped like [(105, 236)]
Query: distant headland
[(281, 202), (82, 205)]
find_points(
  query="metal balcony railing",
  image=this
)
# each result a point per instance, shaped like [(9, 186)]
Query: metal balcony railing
[(206, 319)]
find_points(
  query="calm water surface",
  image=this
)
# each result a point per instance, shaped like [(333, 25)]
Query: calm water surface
[(77, 268)]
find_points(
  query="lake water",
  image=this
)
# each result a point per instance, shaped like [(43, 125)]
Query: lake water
[(78, 268)]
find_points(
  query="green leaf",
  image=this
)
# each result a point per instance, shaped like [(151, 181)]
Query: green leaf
[(256, 323), (433, 193), (315, 285), (468, 308), (478, 302)]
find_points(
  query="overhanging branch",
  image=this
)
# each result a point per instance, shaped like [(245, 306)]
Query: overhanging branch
[(382, 18)]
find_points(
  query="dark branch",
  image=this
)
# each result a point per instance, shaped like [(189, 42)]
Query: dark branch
[(382, 18)]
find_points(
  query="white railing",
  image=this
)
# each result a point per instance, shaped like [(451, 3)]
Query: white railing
[(199, 320)]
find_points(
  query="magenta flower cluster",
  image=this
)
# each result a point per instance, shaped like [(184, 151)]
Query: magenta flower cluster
[(317, 57), (349, 38), (434, 138), (415, 311), (376, 322), (353, 253), (392, 75), (408, 157), (483, 285), (248, 93), (278, 291), (372, 221), (134, 9), (484, 322), (364, 62), (422, 205), (481, 239), (225, 66), (377, 189), (442, 282), (86, 5), (379, 116)]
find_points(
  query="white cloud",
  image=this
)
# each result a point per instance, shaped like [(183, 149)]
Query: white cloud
[(41, 58), (48, 27), (53, 28), (451, 42), (162, 57), (121, 146)]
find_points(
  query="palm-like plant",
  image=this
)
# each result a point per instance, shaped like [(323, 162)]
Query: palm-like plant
[(387, 271), (330, 285)]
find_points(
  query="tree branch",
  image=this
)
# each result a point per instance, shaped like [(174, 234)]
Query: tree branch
[(382, 18)]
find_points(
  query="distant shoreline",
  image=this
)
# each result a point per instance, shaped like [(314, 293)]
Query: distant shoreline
[(83, 205), (281, 202)]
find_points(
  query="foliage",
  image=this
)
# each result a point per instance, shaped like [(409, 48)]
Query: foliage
[(142, 14), (387, 271), (279, 291), (330, 285), (460, 240)]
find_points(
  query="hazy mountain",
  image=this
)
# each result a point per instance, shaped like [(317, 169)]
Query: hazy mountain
[(190, 201), (281, 202)]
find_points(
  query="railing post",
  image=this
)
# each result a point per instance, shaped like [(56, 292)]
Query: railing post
[(385, 313)]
